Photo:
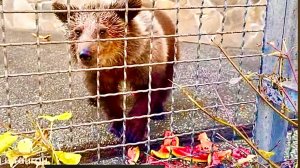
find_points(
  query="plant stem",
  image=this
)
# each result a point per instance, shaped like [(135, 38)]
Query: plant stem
[(225, 140), (223, 105), (290, 61), (292, 67), (4, 126), (255, 89), (288, 96)]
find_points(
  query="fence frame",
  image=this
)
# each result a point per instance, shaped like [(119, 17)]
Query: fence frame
[(281, 23)]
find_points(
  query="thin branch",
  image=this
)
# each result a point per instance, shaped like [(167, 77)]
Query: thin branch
[(230, 143), (290, 61), (225, 140), (292, 67), (287, 56), (4, 126), (274, 47), (288, 96), (275, 146), (225, 108), (255, 89)]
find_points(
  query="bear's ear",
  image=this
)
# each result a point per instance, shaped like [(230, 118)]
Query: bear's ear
[(63, 16), (121, 4)]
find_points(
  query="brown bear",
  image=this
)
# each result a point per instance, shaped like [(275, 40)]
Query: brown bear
[(88, 26)]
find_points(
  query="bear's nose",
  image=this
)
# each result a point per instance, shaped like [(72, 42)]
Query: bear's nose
[(85, 55)]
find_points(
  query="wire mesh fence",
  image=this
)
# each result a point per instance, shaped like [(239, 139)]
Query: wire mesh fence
[(39, 77)]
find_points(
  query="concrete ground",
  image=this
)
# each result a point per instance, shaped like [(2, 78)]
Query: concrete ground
[(54, 57)]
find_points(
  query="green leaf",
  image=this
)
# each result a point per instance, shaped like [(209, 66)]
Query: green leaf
[(25, 146), (64, 116), (250, 75), (68, 158), (12, 157), (47, 117), (266, 154), (6, 140)]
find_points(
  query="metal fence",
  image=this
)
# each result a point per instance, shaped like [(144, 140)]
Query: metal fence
[(39, 77)]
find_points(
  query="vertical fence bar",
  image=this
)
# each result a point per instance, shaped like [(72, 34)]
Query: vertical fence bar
[(5, 61), (271, 129), (150, 77), (220, 64), (125, 82)]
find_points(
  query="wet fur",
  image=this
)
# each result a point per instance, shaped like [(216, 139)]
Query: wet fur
[(138, 51)]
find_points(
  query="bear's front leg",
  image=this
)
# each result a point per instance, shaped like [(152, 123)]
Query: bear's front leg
[(111, 104), (112, 107), (137, 128)]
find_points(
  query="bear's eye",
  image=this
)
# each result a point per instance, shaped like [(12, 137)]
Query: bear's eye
[(102, 32), (78, 32)]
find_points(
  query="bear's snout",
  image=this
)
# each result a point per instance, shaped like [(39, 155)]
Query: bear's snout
[(85, 55)]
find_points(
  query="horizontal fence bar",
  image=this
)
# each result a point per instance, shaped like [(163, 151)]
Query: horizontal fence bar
[(130, 9), (120, 39)]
